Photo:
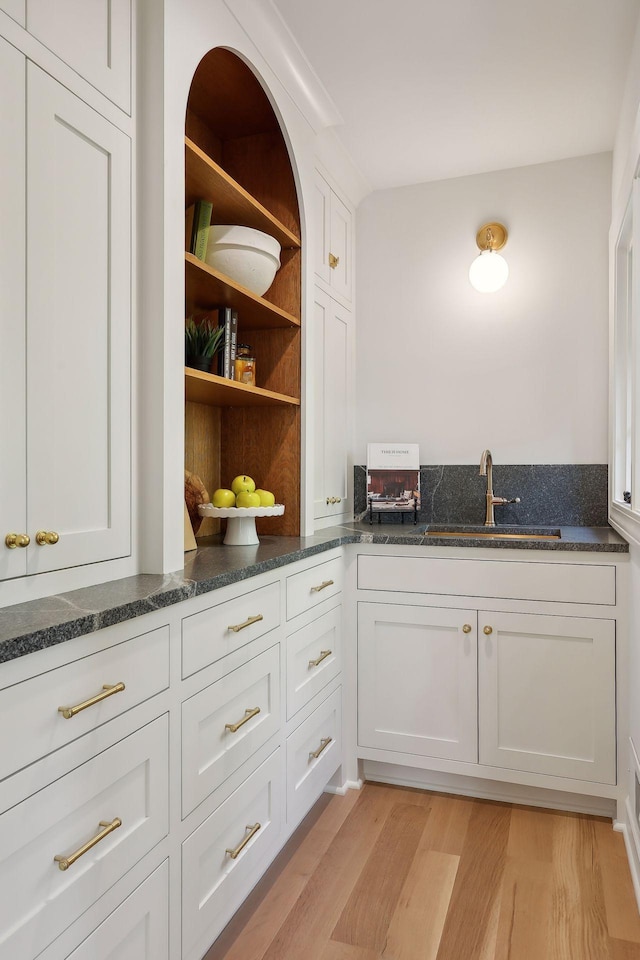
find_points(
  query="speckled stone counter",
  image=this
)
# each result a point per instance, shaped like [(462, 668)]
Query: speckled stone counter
[(28, 627)]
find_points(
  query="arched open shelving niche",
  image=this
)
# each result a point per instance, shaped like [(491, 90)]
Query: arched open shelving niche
[(237, 158)]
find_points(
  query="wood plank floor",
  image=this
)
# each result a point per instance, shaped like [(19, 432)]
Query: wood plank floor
[(390, 873)]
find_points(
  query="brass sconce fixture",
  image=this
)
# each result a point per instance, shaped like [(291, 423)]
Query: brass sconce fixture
[(489, 271)]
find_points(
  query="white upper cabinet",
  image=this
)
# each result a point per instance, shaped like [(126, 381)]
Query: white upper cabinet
[(332, 405), (333, 240), (78, 330), (15, 9), (13, 519), (92, 36)]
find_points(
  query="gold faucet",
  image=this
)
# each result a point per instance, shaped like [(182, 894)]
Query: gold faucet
[(486, 470)]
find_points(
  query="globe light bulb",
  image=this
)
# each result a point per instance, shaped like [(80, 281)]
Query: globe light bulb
[(488, 272)]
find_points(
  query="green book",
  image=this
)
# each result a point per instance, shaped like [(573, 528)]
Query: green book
[(201, 224)]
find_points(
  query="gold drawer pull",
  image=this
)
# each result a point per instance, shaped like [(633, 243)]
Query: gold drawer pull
[(467, 628), (13, 540), (251, 712), (44, 537), (323, 656), (109, 690), (333, 261), (488, 630), (237, 627), (324, 743), (233, 853), (323, 585), (109, 826), (334, 499)]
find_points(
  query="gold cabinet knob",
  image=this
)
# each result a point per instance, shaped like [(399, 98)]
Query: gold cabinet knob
[(488, 630), (13, 540), (44, 537), (466, 628), (333, 261)]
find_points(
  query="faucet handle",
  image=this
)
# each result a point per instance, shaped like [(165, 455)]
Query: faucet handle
[(500, 501), (515, 500)]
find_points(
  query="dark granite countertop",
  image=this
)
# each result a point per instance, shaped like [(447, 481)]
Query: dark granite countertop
[(28, 627)]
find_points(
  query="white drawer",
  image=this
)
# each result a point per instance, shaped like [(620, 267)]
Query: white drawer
[(503, 579), (38, 900), (214, 883), (314, 657), (314, 753), (136, 930), (213, 633), (31, 707), (311, 586), (211, 751)]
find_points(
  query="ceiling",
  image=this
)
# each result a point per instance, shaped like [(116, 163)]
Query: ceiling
[(430, 90)]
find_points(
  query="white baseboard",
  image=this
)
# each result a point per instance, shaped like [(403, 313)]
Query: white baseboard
[(342, 789), (632, 848), (487, 789)]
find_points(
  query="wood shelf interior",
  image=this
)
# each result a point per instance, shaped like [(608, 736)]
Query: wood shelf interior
[(236, 157)]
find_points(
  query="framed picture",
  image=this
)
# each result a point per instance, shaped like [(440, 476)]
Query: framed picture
[(393, 477)]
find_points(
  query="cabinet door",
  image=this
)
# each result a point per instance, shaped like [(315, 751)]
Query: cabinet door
[(16, 10), (547, 695), (322, 231), (78, 329), (13, 517), (340, 248), (93, 38), (332, 400), (417, 673)]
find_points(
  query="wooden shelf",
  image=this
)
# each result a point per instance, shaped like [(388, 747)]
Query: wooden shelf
[(208, 289), (205, 179), (216, 391)]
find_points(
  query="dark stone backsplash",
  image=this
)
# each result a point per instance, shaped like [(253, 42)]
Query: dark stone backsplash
[(572, 495)]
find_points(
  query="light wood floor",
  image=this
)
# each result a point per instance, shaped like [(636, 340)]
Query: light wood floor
[(396, 874)]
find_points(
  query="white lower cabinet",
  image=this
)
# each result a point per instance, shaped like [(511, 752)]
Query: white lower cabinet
[(314, 752), (314, 658), (52, 863), (224, 857), (547, 695), (417, 680)]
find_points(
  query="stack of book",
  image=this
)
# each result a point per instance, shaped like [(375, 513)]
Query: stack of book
[(228, 318)]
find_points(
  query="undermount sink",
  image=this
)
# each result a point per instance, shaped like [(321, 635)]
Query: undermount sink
[(493, 533)]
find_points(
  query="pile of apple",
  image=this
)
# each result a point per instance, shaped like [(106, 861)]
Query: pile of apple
[(243, 494)]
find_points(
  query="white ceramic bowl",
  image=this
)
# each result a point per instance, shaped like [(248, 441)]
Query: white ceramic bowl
[(248, 256)]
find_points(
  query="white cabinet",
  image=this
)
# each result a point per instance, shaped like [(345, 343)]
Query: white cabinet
[(314, 657), (547, 695), (68, 356), (314, 752), (16, 10), (417, 680), (93, 38), (333, 384), (333, 240)]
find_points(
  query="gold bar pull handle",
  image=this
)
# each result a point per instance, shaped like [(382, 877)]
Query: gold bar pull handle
[(322, 586), (109, 826), (333, 261), (323, 656), (324, 743), (108, 691), (237, 627), (236, 851), (248, 714)]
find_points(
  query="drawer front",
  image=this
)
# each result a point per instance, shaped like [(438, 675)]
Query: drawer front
[(502, 579), (314, 657), (137, 929), (32, 707), (213, 633), (308, 588), (129, 782), (216, 740), (314, 753), (213, 882)]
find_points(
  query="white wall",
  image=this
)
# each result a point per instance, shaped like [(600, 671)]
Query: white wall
[(522, 371)]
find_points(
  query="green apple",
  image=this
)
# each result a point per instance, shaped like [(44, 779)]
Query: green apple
[(246, 498), (267, 499), (242, 485), (224, 498)]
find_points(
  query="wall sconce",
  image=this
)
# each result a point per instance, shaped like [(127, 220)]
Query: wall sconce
[(489, 271)]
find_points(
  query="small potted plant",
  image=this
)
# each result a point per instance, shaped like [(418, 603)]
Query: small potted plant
[(202, 341)]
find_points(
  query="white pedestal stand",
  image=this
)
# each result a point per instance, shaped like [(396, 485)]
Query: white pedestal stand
[(241, 521)]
